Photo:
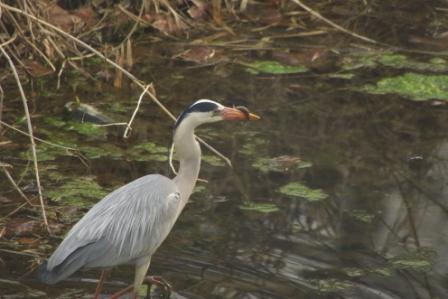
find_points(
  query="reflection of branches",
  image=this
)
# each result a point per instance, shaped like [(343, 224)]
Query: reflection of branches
[(409, 212)]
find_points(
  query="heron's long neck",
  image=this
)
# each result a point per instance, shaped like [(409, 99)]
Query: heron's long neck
[(188, 152)]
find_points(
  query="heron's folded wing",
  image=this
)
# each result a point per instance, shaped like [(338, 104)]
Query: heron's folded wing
[(133, 220)]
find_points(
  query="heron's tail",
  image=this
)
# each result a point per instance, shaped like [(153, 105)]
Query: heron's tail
[(45, 275), (70, 265)]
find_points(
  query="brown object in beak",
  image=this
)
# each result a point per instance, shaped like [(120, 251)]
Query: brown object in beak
[(238, 113)]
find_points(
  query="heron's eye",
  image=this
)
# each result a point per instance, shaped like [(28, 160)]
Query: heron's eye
[(215, 112)]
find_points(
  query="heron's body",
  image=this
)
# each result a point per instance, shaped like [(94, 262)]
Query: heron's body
[(128, 225)]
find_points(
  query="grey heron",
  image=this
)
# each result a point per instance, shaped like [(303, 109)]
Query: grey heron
[(129, 224)]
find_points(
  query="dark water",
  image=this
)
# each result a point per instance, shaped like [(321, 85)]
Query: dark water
[(380, 233)]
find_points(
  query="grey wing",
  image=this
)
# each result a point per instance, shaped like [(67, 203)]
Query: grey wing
[(128, 223)]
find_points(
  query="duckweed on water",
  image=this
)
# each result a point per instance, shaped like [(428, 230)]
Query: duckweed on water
[(213, 160), (264, 208), (280, 164), (413, 86), (274, 67), (333, 285), (393, 60), (149, 151), (420, 260), (296, 189), (86, 129), (79, 192)]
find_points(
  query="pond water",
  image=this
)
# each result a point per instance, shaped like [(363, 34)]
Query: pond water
[(335, 193)]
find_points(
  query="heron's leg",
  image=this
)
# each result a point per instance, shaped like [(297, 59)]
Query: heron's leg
[(162, 283), (100, 284)]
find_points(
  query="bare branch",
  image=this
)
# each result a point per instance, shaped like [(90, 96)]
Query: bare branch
[(30, 132), (333, 24)]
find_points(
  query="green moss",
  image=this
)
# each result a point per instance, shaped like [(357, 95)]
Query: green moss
[(296, 189), (413, 86), (274, 67), (80, 192)]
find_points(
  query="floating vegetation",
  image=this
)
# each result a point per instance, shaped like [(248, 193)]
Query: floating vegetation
[(362, 215), (413, 86), (79, 192), (280, 164), (198, 188), (354, 272), (264, 208), (254, 145), (274, 67), (393, 60), (345, 76), (103, 150), (213, 160), (400, 61), (45, 152), (332, 285), (296, 189), (149, 151), (89, 130), (420, 260)]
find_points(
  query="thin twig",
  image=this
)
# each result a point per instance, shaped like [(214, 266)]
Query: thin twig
[(128, 126), (11, 180), (37, 138), (17, 26), (333, 24), (13, 38), (137, 20), (110, 125), (30, 132), (2, 97), (213, 150), (111, 62), (14, 211)]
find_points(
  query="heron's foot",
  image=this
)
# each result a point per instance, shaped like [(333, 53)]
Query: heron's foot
[(129, 289), (161, 283)]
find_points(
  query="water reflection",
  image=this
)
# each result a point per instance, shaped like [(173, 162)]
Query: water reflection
[(380, 233)]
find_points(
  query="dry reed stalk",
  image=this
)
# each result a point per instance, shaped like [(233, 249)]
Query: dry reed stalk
[(30, 132), (5, 167), (333, 24)]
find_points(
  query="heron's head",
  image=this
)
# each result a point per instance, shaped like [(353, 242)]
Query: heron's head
[(208, 111)]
